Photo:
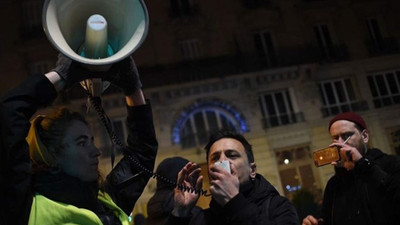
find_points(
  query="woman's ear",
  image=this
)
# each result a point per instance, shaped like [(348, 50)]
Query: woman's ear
[(55, 169)]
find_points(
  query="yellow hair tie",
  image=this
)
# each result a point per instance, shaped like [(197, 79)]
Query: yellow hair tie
[(38, 152)]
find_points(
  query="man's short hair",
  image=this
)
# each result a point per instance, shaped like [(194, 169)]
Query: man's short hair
[(230, 134)]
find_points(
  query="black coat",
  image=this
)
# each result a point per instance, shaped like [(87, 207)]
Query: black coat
[(160, 206), (368, 195), (257, 203), (124, 184)]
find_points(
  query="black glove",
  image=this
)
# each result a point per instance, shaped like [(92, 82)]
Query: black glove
[(72, 72), (125, 75)]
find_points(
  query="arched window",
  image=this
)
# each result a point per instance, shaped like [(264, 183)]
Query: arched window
[(198, 121)]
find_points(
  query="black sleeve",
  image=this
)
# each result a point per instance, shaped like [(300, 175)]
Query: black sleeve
[(173, 220), (19, 105), (327, 203), (383, 174), (4, 166), (127, 180), (283, 211)]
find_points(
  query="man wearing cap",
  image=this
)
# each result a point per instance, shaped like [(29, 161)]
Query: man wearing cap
[(366, 186)]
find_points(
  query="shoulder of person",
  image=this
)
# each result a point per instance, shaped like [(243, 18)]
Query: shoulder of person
[(277, 201), (389, 163), (281, 209)]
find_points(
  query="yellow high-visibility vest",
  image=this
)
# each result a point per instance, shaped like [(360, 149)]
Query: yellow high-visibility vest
[(46, 211)]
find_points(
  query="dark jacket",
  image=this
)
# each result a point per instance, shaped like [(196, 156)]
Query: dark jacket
[(162, 202), (257, 203), (124, 184), (4, 165), (160, 206), (368, 195)]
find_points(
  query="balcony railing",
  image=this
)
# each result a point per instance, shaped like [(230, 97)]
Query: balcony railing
[(382, 47), (283, 119), (226, 65), (254, 4), (346, 107), (389, 100), (180, 12)]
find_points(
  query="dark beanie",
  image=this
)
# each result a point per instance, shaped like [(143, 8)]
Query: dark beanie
[(349, 116), (169, 168)]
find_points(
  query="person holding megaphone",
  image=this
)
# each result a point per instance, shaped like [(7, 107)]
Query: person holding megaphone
[(52, 175)]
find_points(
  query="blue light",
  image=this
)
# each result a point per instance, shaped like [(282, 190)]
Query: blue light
[(292, 189), (204, 103)]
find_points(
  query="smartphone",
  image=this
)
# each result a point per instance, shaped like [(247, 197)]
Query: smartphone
[(325, 156), (224, 164)]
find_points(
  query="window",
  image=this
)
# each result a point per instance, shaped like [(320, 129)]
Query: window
[(180, 8), (201, 119), (32, 18), (374, 34), (385, 88), (295, 170), (324, 40), (254, 4), (338, 96), (277, 109), (190, 49), (395, 140), (199, 125), (265, 48)]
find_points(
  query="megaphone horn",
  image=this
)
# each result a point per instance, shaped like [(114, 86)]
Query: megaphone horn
[(97, 33), (64, 22)]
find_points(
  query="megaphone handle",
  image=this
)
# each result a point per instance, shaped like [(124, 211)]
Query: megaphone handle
[(94, 86)]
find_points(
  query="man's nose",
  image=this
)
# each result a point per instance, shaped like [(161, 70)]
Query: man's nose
[(96, 152)]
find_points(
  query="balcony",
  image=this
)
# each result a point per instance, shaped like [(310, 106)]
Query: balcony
[(345, 107), (255, 4), (185, 11), (227, 65), (283, 119), (190, 71), (383, 101), (334, 53), (382, 47)]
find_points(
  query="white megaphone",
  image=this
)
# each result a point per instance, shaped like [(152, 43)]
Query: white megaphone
[(96, 33)]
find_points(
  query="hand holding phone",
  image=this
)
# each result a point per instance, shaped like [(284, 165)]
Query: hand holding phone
[(326, 155), (330, 154)]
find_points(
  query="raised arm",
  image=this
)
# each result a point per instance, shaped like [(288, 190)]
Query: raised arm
[(127, 180)]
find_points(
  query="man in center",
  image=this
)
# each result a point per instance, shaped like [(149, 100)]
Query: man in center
[(240, 196)]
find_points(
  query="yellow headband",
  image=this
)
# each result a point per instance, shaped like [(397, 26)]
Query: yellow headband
[(38, 152)]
